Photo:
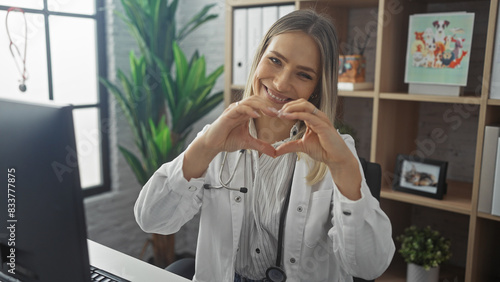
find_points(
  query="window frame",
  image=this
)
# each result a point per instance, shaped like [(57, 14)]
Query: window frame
[(102, 104)]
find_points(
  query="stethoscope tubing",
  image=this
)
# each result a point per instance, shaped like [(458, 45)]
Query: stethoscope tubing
[(225, 184)]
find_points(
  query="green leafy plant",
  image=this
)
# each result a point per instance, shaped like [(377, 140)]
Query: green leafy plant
[(187, 94), (154, 26), (424, 247), (152, 86), (188, 97)]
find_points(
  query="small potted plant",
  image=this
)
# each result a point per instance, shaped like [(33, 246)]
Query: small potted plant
[(424, 250)]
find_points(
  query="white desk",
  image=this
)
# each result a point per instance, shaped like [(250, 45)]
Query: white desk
[(128, 267)]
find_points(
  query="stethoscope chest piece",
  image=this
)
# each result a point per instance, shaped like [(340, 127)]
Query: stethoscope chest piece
[(22, 87), (275, 274)]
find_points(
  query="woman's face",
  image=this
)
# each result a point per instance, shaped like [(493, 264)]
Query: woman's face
[(289, 68)]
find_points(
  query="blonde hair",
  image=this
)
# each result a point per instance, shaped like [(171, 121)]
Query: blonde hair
[(324, 97)]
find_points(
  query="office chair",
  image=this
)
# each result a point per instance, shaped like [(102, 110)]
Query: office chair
[(183, 267), (373, 175)]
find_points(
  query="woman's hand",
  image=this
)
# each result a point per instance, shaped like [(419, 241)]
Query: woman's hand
[(322, 142), (228, 133)]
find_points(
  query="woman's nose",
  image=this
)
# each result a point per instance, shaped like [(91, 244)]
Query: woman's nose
[(282, 81)]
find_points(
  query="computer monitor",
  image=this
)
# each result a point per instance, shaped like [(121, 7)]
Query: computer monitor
[(43, 233)]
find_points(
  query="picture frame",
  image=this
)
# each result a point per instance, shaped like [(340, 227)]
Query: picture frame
[(439, 48), (424, 177)]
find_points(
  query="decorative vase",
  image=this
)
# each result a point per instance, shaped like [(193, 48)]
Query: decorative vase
[(416, 273), (352, 68)]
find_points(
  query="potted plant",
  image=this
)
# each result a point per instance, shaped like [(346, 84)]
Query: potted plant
[(164, 95), (424, 250)]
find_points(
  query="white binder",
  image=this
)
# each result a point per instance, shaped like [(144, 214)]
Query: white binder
[(269, 17), (488, 163), (285, 9), (495, 70), (254, 32), (240, 67), (495, 204)]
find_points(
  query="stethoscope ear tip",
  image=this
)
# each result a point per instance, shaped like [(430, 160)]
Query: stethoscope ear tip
[(243, 190)]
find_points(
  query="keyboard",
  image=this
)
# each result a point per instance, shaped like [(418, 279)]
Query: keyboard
[(99, 275)]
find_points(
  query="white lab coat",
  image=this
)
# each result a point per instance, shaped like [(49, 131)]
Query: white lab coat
[(327, 236)]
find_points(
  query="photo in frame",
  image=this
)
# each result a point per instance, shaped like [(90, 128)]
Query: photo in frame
[(424, 177)]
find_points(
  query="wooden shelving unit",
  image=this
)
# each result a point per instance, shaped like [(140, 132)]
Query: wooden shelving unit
[(458, 200), (431, 98), (396, 116), (357, 94)]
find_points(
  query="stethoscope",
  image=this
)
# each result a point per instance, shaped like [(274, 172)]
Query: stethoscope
[(225, 184), (14, 50), (276, 273), (273, 273)]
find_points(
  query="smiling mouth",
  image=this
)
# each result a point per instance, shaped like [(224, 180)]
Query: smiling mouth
[(275, 98)]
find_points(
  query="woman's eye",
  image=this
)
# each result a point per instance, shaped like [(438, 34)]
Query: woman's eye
[(275, 60), (306, 76)]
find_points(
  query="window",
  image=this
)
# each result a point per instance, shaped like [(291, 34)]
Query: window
[(64, 59)]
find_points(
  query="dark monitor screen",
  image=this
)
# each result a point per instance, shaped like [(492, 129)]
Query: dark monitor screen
[(42, 224)]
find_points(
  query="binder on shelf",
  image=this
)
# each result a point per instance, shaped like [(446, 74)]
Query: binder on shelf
[(495, 70), (269, 17), (495, 204), (285, 9), (487, 178), (350, 86), (240, 67), (254, 25)]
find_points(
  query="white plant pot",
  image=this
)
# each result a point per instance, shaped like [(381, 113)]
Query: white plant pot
[(416, 273)]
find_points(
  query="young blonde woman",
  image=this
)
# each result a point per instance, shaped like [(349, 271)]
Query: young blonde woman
[(308, 214)]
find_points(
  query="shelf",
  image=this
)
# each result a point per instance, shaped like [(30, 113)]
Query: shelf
[(494, 102), (341, 93), (457, 198), (352, 3), (397, 272), (431, 98), (488, 216), (357, 94), (237, 87)]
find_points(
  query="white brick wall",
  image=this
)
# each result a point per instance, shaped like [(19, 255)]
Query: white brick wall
[(110, 218)]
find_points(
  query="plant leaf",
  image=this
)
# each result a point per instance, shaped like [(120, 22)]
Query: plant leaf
[(197, 20), (135, 165), (181, 65)]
